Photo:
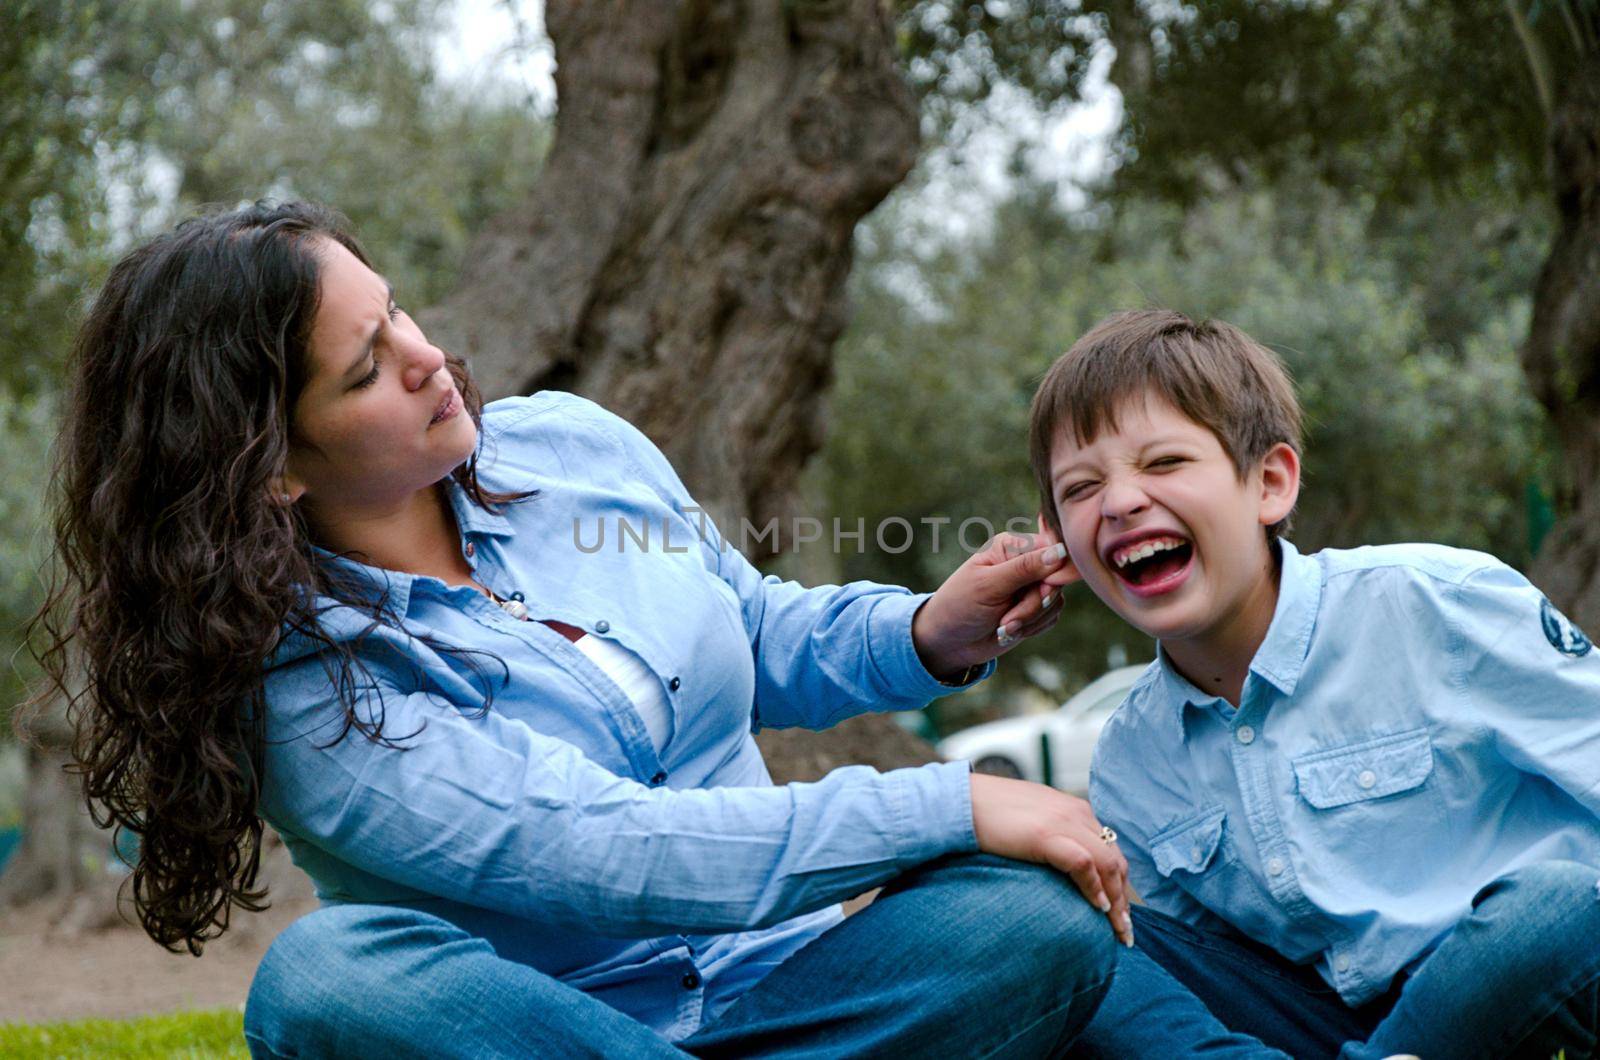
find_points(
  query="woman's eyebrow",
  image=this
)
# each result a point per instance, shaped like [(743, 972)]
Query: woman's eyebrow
[(366, 347)]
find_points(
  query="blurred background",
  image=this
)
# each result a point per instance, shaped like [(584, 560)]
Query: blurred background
[(822, 251)]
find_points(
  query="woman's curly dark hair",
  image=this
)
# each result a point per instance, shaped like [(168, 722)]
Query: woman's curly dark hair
[(178, 567)]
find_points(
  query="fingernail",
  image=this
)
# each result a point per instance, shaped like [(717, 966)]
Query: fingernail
[(1049, 598), (1127, 925), (1056, 554), (1105, 904), (1003, 634)]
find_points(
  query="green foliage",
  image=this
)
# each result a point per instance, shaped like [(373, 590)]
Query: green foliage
[(1395, 99), (182, 1035), (119, 119), (1388, 98), (1409, 438), (337, 103), (27, 427), (957, 53), (53, 162)]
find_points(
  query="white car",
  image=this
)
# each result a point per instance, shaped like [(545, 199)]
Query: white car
[(1053, 748)]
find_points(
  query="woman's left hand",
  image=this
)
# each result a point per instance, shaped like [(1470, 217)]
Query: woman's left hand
[(995, 600)]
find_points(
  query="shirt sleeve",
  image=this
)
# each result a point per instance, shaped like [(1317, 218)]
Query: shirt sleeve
[(482, 809), (822, 654), (1530, 677)]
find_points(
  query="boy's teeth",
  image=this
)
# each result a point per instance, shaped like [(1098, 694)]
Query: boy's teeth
[(1146, 549)]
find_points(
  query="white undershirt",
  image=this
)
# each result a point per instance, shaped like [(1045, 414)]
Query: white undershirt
[(637, 681)]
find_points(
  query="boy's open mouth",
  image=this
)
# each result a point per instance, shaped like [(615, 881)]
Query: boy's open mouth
[(1154, 563)]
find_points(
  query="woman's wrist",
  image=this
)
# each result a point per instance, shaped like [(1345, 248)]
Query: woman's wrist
[(963, 679), (925, 638)]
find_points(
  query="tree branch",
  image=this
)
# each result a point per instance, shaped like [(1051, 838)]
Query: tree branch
[(1579, 44), (1538, 61)]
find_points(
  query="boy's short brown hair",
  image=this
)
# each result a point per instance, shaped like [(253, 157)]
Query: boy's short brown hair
[(1210, 371)]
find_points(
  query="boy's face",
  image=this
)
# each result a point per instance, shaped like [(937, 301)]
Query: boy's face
[(1163, 529)]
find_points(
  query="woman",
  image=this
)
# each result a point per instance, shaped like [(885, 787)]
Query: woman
[(309, 583)]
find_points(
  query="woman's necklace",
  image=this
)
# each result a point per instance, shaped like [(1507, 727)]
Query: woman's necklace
[(517, 609), (513, 607)]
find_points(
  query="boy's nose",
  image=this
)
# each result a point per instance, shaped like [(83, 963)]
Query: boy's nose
[(1121, 499)]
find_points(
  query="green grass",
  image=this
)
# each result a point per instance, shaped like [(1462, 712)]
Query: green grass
[(191, 1035), (184, 1034)]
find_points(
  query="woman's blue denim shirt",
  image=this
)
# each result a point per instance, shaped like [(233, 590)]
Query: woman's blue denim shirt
[(664, 884)]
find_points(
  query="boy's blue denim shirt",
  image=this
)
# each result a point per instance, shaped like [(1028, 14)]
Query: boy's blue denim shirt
[(1418, 722), (664, 884)]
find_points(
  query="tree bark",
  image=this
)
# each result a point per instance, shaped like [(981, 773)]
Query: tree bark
[(683, 257), (1562, 354)]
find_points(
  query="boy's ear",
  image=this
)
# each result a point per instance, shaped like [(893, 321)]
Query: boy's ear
[(1065, 574), (1280, 483)]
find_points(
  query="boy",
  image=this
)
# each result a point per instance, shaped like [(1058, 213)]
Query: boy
[(1359, 791)]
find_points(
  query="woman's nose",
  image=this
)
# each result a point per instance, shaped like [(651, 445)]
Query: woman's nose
[(423, 360)]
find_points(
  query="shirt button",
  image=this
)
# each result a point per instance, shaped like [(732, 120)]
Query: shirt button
[(1367, 778), (1341, 964), (674, 684), (1275, 867), (1245, 734), (1196, 855), (659, 778), (691, 982), (471, 548), (602, 626)]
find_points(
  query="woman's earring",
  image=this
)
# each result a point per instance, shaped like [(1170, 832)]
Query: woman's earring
[(286, 498)]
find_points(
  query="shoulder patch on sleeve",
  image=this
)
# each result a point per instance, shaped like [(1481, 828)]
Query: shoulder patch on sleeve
[(1559, 630)]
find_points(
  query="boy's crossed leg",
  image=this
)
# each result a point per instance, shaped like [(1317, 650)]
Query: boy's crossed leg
[(1518, 977)]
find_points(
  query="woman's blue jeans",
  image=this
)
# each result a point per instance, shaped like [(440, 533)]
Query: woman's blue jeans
[(972, 956)]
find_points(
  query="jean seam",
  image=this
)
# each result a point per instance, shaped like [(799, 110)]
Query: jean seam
[(1562, 1000), (1205, 941), (1103, 985), (269, 1050)]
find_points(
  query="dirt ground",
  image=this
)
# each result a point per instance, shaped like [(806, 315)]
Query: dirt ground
[(119, 973)]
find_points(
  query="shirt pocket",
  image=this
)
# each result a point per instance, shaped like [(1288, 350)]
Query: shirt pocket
[(1362, 772), (1189, 848)]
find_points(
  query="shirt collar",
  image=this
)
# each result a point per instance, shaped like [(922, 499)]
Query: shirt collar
[(371, 583), (366, 582), (1282, 654), (473, 520)]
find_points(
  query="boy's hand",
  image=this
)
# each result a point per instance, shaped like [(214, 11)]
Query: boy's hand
[(1030, 822), (992, 601)]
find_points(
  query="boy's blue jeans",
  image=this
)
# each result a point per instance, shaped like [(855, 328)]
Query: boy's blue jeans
[(971, 956), (1518, 977)]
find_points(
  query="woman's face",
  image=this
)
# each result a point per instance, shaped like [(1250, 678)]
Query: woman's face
[(379, 417)]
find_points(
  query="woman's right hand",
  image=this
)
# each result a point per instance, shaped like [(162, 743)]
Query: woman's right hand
[(1031, 822)]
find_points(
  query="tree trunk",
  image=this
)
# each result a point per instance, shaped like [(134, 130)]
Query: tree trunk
[(1562, 353), (64, 858), (683, 258)]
